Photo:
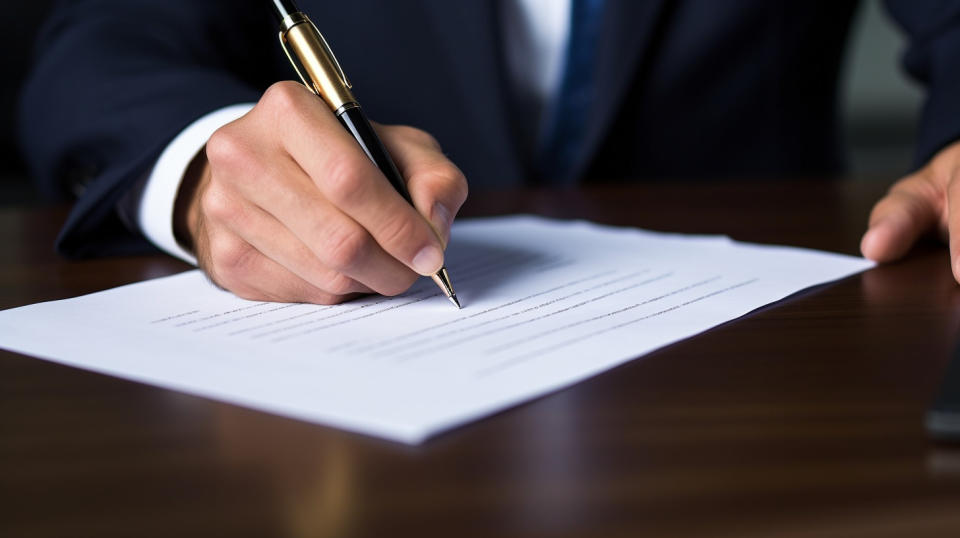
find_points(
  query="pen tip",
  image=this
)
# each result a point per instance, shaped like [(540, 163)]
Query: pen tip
[(454, 300)]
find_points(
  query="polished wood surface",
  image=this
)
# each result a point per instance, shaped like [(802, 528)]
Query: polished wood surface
[(801, 419)]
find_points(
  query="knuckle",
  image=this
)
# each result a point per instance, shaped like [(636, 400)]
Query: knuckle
[(903, 204), (402, 284), (325, 298), (282, 96), (462, 186), (344, 179), (345, 249), (920, 186), (397, 230), (251, 294), (444, 181), (232, 261), (339, 284), (451, 179), (878, 210), (225, 147), (953, 187), (216, 205), (912, 199)]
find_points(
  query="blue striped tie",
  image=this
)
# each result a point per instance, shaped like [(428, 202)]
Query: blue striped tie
[(567, 119)]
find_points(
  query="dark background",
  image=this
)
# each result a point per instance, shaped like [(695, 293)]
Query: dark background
[(18, 27), (880, 105)]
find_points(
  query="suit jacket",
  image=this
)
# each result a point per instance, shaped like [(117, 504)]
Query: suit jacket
[(688, 88)]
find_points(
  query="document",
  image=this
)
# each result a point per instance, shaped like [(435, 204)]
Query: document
[(546, 304)]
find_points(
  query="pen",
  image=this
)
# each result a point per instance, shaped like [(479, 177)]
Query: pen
[(320, 72)]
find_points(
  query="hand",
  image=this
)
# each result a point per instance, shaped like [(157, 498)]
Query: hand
[(925, 201), (285, 206)]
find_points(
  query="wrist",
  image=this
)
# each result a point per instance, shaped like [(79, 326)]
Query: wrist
[(186, 209)]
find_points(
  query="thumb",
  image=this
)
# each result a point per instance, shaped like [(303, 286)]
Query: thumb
[(438, 188), (911, 209)]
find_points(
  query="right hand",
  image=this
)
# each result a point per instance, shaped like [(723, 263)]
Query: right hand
[(285, 205), (925, 201)]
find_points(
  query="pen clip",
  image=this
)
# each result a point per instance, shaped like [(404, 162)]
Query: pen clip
[(320, 40), (333, 58), (295, 62)]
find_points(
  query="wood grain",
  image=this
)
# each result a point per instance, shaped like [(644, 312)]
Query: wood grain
[(801, 419)]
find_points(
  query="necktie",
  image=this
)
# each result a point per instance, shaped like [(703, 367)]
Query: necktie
[(567, 118)]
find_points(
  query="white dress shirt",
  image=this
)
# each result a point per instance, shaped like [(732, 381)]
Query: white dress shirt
[(535, 36)]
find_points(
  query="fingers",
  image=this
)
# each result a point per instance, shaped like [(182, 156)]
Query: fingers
[(290, 208), (438, 188), (911, 209), (307, 234), (305, 231), (920, 203), (350, 181), (235, 265), (245, 251), (953, 226)]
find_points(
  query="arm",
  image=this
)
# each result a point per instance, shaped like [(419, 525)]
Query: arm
[(285, 205), (151, 207), (281, 205), (109, 91), (927, 200)]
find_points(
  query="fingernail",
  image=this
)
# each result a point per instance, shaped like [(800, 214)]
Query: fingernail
[(442, 219), (866, 244), (428, 261), (872, 243)]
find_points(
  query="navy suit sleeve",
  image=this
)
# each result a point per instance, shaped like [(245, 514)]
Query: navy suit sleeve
[(114, 81), (933, 58)]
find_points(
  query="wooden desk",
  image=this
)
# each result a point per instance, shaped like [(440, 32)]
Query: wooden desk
[(802, 419)]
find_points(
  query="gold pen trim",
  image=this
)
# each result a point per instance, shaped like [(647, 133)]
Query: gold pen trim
[(345, 108), (314, 61), (319, 70), (442, 279)]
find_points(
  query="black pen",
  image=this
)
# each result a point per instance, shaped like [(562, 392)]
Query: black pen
[(321, 73)]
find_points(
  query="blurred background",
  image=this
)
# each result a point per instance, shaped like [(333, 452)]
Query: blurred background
[(880, 103)]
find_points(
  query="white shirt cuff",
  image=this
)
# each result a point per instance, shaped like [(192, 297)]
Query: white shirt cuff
[(155, 213)]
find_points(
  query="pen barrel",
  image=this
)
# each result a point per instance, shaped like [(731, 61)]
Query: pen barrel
[(355, 121), (284, 8), (313, 60)]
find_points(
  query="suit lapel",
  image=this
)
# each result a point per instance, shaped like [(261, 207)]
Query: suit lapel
[(628, 32), (469, 35)]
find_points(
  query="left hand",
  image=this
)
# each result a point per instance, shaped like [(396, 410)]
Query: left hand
[(926, 201)]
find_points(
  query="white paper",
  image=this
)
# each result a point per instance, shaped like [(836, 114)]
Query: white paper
[(546, 304)]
